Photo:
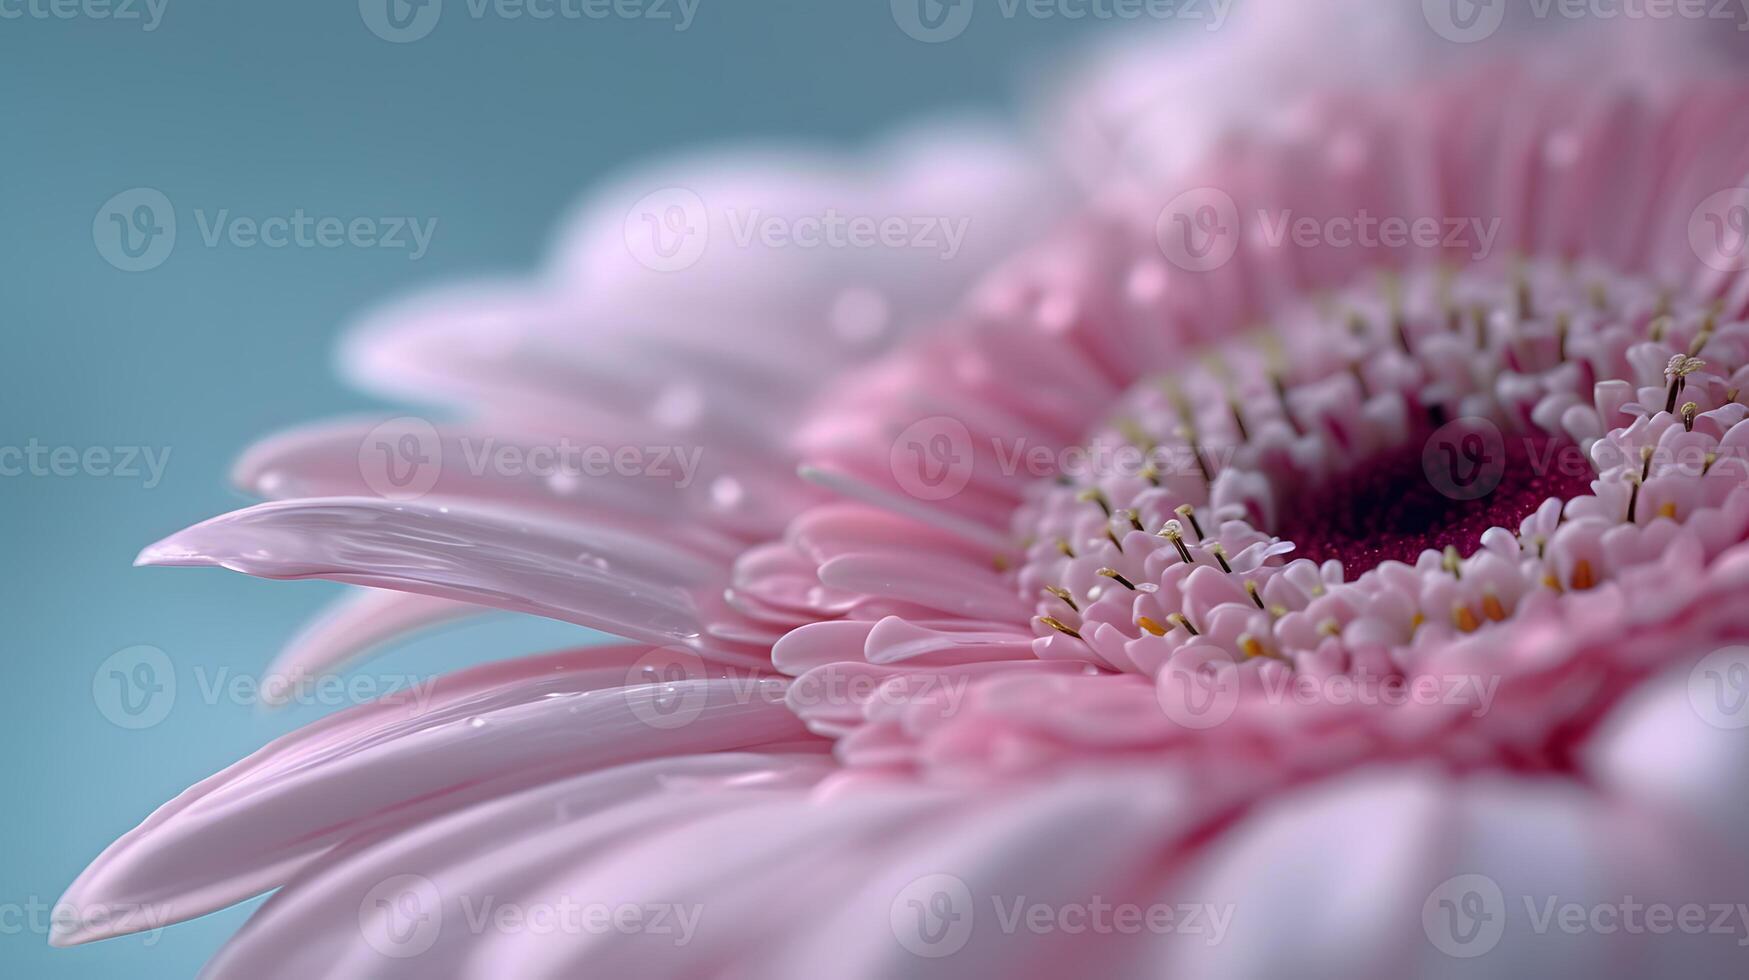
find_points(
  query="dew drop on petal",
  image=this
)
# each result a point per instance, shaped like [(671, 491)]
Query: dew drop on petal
[(727, 493)]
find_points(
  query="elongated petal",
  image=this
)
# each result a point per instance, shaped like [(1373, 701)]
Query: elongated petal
[(249, 828), (592, 576), (485, 858)]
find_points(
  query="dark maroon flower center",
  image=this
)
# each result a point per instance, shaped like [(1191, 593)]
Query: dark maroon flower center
[(1442, 489)]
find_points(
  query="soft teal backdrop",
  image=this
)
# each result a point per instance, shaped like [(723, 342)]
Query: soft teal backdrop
[(491, 126)]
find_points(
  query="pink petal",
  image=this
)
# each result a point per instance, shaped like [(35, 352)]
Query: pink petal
[(250, 827), (588, 575)]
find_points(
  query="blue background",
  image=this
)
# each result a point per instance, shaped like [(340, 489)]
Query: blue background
[(492, 126)]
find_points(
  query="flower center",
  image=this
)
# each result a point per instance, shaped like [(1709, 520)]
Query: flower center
[(1440, 490), (1385, 469)]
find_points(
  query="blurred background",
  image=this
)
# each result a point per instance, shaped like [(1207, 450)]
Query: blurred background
[(485, 128)]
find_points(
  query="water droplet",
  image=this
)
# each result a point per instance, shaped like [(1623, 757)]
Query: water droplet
[(727, 493)]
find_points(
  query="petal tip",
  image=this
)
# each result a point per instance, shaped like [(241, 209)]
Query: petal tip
[(171, 551)]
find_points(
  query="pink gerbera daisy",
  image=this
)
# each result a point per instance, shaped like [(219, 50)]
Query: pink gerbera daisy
[(1317, 558)]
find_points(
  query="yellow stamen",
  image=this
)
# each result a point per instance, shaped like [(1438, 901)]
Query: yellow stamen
[(1220, 554), (1492, 608), (1189, 513), (1096, 496), (1058, 625), (1463, 618), (1251, 647), (1113, 573), (1174, 532)]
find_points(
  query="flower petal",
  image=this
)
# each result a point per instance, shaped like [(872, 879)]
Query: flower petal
[(393, 765)]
